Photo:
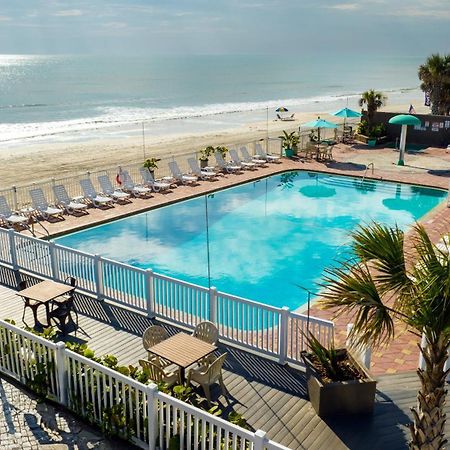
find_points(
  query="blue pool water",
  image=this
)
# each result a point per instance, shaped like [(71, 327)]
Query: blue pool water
[(265, 237)]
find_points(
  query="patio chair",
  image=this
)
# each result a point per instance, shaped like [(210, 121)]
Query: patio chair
[(179, 176), (72, 281), (91, 194), (207, 332), (28, 303), (236, 160), (248, 158), (108, 189), (154, 335), (159, 375), (138, 190), (198, 172), (228, 167), (63, 200), (149, 181), (268, 157), (8, 217), (40, 204), (61, 314), (327, 153), (206, 376)]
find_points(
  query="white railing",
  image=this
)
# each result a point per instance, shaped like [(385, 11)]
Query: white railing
[(269, 331), (116, 402), (18, 197)]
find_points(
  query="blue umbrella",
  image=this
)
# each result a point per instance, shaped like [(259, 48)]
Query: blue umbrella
[(319, 123), (346, 112)]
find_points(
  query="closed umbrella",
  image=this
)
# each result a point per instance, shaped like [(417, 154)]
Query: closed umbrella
[(404, 120)]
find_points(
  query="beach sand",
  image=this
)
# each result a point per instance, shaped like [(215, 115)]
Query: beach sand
[(42, 161)]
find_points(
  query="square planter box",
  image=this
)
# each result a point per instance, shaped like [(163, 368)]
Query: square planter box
[(343, 397)]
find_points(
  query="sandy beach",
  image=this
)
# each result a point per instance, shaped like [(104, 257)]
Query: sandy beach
[(22, 165)]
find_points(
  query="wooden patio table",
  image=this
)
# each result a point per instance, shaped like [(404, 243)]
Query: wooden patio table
[(45, 292), (183, 350)]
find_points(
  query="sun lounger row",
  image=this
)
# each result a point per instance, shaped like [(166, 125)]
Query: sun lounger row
[(109, 194)]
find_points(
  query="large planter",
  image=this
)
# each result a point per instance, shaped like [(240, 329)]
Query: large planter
[(289, 152), (370, 141), (342, 397)]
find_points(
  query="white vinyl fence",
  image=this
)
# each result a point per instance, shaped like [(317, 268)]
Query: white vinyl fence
[(273, 332), (117, 403)]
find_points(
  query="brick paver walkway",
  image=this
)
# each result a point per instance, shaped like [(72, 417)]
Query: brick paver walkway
[(26, 423)]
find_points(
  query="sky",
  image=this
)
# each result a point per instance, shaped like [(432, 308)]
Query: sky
[(414, 27)]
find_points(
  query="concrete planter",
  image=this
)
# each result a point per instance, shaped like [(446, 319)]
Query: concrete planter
[(289, 152), (342, 397)]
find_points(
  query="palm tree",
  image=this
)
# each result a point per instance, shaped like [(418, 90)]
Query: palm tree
[(435, 77), (383, 288), (373, 100)]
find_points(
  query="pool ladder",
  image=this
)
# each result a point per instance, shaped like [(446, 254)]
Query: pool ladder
[(365, 172)]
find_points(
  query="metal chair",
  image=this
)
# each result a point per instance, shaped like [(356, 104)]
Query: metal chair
[(28, 303), (158, 375), (61, 314)]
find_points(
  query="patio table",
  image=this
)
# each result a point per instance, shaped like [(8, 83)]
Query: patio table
[(45, 292), (182, 350)]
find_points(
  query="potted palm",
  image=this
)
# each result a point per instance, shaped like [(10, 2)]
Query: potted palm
[(337, 382), (151, 165), (204, 155), (289, 143), (391, 285), (368, 132)]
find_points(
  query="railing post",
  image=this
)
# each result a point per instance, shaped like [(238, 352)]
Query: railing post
[(365, 352), (53, 260), (61, 372), (152, 415), (98, 274), (149, 293), (212, 304), (12, 250), (260, 440), (283, 335)]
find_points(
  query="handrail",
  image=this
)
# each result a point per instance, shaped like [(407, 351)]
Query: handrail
[(367, 168)]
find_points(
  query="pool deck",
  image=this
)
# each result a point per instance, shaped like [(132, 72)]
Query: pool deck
[(428, 168), (271, 397)]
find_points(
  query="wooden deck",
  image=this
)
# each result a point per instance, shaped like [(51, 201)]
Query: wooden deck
[(271, 397)]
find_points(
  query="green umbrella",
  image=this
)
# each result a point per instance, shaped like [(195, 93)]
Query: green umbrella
[(346, 113), (404, 120), (319, 123)]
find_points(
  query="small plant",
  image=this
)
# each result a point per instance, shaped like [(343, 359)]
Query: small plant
[(151, 163), (206, 153), (222, 149), (289, 140)]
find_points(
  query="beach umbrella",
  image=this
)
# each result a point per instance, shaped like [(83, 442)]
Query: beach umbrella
[(281, 109), (404, 120), (319, 124), (346, 113)]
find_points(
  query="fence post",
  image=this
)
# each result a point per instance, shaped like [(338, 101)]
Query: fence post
[(98, 276), (260, 440), (61, 372), (283, 334), (212, 304), (149, 293), (53, 261), (12, 249), (152, 415)]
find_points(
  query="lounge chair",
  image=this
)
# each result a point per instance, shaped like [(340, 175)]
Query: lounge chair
[(63, 200), (40, 203), (91, 194), (179, 176), (236, 160), (228, 167), (136, 189), (206, 376), (248, 158), (150, 182), (8, 217), (263, 155), (158, 374), (198, 172), (109, 190)]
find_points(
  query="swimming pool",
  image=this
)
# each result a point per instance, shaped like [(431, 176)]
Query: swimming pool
[(266, 238)]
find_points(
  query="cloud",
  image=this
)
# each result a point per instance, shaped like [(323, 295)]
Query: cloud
[(346, 6), (4, 18), (68, 13), (115, 25)]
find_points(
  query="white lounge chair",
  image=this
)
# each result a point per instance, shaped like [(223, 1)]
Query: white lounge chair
[(40, 204), (63, 200), (150, 182), (198, 172), (236, 160), (91, 194), (228, 167), (248, 158), (109, 190), (179, 176), (136, 189), (263, 155), (10, 218)]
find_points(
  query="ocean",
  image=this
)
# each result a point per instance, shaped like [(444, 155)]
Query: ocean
[(47, 97)]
